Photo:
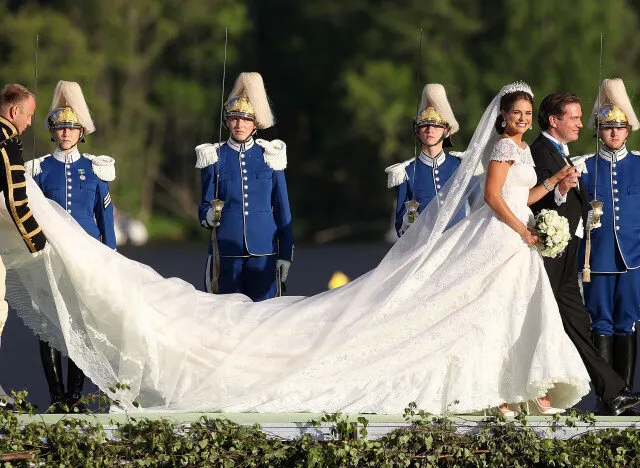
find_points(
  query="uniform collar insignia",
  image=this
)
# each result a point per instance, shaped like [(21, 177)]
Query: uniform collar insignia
[(613, 156), (67, 156), (433, 162), (234, 145), (8, 129)]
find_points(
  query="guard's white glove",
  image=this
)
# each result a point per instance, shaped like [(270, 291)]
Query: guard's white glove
[(590, 220), (283, 267), (211, 218), (405, 224), (46, 249)]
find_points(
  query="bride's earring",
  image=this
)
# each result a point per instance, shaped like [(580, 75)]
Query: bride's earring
[(504, 123)]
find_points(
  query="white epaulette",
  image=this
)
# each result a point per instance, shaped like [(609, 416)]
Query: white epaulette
[(397, 173), (581, 162), (637, 153), (458, 154), (33, 167), (275, 153), (207, 154), (103, 166)]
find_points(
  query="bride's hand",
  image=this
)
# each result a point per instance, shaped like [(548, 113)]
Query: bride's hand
[(567, 177), (529, 237), (564, 172)]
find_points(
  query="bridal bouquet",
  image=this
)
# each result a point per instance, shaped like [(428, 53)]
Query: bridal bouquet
[(553, 231)]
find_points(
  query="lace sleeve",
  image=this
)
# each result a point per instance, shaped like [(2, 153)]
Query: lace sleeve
[(504, 150)]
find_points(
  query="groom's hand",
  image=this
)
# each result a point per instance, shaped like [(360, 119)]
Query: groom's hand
[(569, 181)]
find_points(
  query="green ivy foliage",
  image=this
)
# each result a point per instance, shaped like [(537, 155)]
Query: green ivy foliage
[(428, 442)]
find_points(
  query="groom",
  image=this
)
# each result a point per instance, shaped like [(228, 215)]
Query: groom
[(17, 106), (559, 120)]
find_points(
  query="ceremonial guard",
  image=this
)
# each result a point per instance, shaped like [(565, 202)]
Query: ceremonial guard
[(80, 184), (17, 106), (612, 249), (244, 199), (433, 126)]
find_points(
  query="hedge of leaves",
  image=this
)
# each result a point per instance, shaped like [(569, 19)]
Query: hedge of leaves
[(429, 441)]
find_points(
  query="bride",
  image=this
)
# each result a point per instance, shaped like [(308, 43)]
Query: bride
[(456, 321)]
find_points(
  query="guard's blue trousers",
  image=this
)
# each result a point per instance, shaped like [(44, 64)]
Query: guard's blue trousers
[(253, 276), (613, 301)]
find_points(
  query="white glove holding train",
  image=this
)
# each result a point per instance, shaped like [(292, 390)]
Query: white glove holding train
[(282, 267)]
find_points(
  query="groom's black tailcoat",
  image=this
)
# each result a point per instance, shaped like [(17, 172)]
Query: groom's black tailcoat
[(563, 270)]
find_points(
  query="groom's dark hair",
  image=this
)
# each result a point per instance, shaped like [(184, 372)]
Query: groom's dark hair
[(554, 104)]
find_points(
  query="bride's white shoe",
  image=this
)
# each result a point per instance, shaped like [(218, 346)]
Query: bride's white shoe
[(505, 411), (543, 410)]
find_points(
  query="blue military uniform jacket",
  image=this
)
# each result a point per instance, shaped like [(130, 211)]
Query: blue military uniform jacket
[(79, 183), (256, 218), (615, 246), (431, 175)]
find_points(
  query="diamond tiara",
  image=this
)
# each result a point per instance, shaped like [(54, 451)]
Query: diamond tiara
[(516, 86)]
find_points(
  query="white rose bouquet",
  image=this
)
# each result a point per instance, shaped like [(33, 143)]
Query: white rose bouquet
[(553, 231)]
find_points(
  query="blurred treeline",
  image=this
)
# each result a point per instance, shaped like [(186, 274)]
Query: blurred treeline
[(343, 76)]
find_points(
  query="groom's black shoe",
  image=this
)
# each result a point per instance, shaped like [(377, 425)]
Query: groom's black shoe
[(620, 403)]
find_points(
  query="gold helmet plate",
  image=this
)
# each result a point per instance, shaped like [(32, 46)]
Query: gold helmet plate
[(430, 116), (239, 106), (610, 116), (63, 117)]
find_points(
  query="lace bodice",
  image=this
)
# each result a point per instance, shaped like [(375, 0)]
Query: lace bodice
[(521, 176)]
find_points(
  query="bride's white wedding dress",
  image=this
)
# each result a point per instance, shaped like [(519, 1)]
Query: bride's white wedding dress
[(460, 323)]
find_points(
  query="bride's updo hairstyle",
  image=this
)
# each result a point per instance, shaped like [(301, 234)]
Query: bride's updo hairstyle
[(506, 103)]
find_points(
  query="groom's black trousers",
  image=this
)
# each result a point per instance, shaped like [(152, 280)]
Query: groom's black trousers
[(563, 275)]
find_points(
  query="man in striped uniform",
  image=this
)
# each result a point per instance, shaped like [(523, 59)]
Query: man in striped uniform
[(17, 106)]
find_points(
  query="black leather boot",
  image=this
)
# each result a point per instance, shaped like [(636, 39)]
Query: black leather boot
[(75, 382), (52, 365), (604, 345), (625, 349)]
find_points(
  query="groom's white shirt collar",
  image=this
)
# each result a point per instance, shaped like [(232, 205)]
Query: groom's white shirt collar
[(564, 146), (70, 156), (433, 162), (613, 155)]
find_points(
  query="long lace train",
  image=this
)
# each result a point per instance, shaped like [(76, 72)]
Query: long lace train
[(466, 327)]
